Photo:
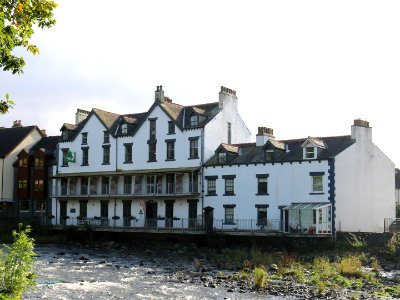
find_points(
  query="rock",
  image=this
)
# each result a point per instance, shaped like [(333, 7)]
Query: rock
[(60, 253), (229, 290), (83, 258)]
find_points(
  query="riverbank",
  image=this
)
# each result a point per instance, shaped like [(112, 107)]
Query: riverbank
[(362, 266)]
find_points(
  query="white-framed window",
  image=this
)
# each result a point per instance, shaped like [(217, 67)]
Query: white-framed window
[(194, 147), (309, 152), (106, 137), (170, 150), (124, 128), (84, 138), (262, 184), (229, 185), (194, 121), (229, 214), (317, 182), (106, 155), (128, 152), (211, 185)]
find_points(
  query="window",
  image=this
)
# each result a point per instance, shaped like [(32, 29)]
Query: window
[(84, 138), (24, 205), (105, 185), (38, 185), (229, 214), (262, 214), (152, 129), (317, 182), (39, 162), (270, 155), (262, 184), (194, 147), (23, 162), (229, 133), (151, 184), (229, 185), (22, 184), (104, 209), (84, 186), (128, 153), (40, 205), (106, 155), (127, 185), (211, 185), (170, 149), (309, 152), (193, 121), (83, 208), (106, 137), (124, 128), (85, 156), (65, 157), (152, 152), (171, 127), (65, 135), (222, 157)]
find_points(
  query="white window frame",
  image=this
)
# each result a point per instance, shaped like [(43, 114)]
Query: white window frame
[(317, 187)]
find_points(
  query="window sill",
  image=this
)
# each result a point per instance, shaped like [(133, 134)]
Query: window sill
[(128, 162), (171, 133), (150, 161), (229, 195), (210, 195), (317, 193), (170, 159), (65, 166), (105, 163), (194, 157), (228, 223), (262, 194), (84, 165)]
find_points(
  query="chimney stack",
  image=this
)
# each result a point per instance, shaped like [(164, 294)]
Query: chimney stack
[(80, 115), (263, 135), (361, 131), (228, 98), (159, 94), (43, 132), (17, 123)]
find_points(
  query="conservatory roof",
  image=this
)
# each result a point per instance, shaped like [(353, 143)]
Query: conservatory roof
[(302, 206)]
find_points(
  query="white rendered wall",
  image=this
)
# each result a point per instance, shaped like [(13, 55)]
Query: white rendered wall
[(216, 131), (7, 168), (95, 137), (140, 148), (287, 183), (365, 187)]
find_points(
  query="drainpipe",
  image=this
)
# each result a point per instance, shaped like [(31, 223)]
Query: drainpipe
[(2, 180), (202, 173)]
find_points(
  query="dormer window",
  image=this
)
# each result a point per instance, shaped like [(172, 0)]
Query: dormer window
[(124, 128), (309, 152), (194, 121), (65, 135), (222, 157), (270, 155)]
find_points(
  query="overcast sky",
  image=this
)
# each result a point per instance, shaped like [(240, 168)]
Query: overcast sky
[(303, 68)]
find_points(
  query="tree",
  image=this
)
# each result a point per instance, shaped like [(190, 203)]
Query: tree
[(17, 265), (17, 21)]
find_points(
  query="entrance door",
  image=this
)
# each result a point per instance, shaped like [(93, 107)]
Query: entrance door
[(209, 218), (63, 212), (126, 212), (169, 213), (151, 213), (192, 213)]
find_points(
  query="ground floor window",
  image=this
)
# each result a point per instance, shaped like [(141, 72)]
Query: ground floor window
[(261, 215), (24, 205), (229, 214), (40, 205)]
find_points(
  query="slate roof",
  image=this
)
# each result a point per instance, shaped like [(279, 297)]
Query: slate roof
[(12, 137), (250, 153), (47, 143)]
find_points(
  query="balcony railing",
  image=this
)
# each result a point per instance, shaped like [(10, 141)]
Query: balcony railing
[(250, 226), (127, 189)]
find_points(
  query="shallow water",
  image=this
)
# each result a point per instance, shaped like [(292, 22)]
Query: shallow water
[(76, 273)]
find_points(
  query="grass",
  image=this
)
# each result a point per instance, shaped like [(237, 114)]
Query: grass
[(260, 277), (351, 266)]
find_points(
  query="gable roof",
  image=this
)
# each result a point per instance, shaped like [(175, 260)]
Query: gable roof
[(228, 148), (48, 144), (250, 153), (316, 141), (12, 137)]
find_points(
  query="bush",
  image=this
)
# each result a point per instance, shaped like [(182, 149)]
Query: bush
[(17, 266), (393, 245), (260, 277), (350, 266)]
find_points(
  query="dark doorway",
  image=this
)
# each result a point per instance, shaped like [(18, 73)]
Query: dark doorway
[(169, 213), (63, 212), (126, 212), (192, 213), (151, 213), (209, 218)]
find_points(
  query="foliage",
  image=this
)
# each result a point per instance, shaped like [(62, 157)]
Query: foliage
[(17, 266), (350, 266), (260, 277), (355, 241), (393, 245), (17, 21)]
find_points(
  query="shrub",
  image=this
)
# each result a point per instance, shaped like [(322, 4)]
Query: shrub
[(355, 241), (17, 265), (393, 245), (350, 266), (260, 277)]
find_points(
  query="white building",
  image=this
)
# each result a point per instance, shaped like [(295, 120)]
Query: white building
[(313, 185), (144, 169)]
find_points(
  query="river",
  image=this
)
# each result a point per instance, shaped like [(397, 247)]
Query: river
[(83, 273)]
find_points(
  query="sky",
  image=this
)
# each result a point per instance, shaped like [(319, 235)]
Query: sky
[(303, 68)]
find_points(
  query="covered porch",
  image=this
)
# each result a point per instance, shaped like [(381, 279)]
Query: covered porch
[(308, 218)]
